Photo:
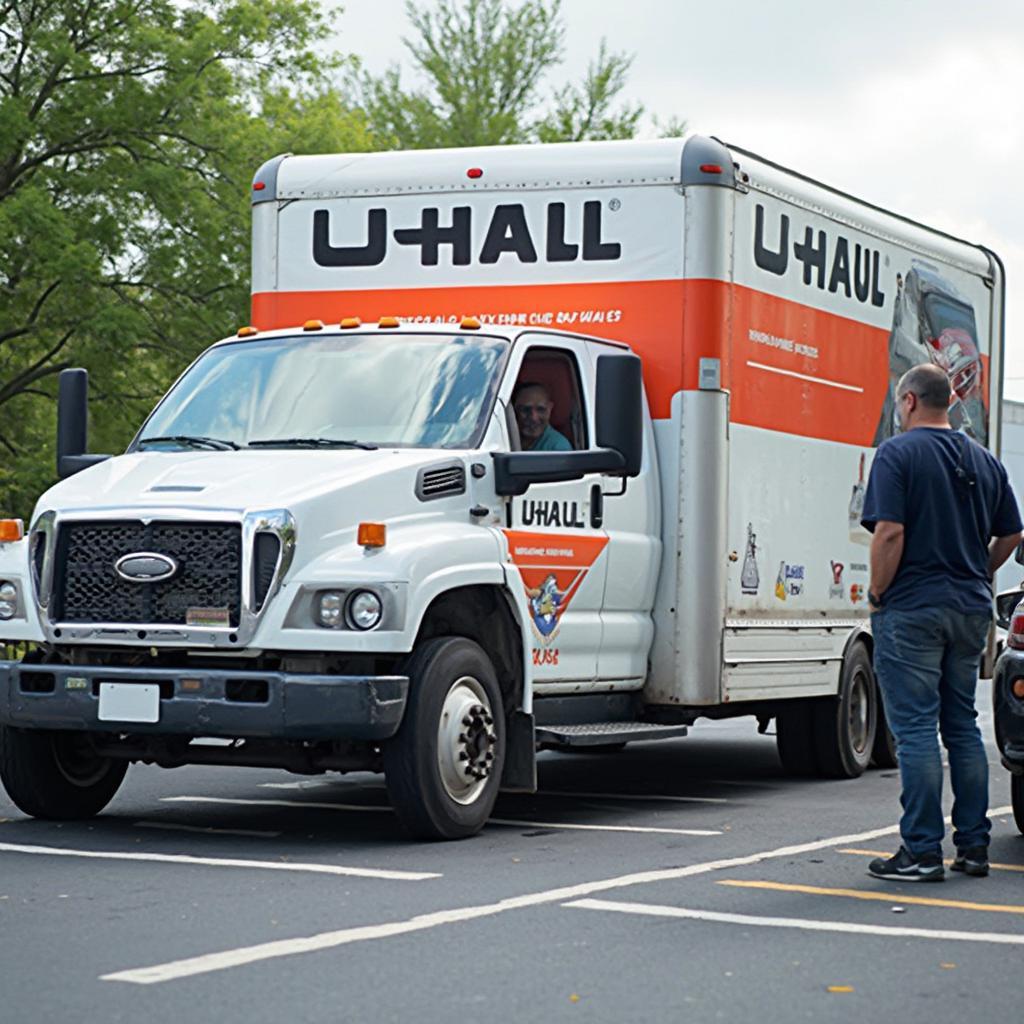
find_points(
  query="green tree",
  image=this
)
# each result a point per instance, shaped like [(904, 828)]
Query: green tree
[(129, 133), (486, 65)]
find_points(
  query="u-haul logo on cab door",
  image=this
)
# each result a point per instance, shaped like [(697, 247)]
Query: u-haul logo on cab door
[(553, 569), (508, 234)]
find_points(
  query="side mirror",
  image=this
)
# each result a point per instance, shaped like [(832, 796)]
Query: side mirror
[(1018, 555), (72, 424), (620, 425)]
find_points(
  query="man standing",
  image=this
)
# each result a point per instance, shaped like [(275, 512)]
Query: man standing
[(935, 501), (533, 407)]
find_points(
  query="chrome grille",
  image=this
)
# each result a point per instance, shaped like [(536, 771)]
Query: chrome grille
[(87, 589)]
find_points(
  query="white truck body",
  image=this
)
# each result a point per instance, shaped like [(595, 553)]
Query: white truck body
[(726, 573)]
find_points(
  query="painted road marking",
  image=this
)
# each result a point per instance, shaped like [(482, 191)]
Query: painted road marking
[(319, 805), (653, 910), (222, 862), (540, 792), (634, 796), (949, 860), (209, 831), (328, 940), (883, 897)]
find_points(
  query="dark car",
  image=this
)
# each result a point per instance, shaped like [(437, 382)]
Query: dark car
[(1008, 705)]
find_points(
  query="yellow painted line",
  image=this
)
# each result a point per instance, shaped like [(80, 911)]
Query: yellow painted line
[(883, 897), (880, 853)]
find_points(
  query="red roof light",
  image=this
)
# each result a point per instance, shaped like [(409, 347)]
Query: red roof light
[(475, 172)]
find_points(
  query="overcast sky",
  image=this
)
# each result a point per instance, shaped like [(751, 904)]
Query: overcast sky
[(916, 105)]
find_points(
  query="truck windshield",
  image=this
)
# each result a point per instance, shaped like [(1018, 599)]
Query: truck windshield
[(400, 390)]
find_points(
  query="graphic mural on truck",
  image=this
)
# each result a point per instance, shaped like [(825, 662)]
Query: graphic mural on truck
[(933, 323)]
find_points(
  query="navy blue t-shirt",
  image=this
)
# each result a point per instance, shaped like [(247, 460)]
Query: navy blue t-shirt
[(947, 520)]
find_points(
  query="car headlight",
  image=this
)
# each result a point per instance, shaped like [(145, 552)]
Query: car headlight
[(364, 610), (330, 608), (8, 600)]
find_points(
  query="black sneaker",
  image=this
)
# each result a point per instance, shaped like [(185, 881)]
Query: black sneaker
[(972, 861), (905, 868)]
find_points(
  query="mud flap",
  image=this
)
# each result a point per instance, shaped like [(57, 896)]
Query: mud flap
[(520, 774)]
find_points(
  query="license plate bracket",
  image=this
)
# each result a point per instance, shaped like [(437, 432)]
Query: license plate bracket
[(129, 702)]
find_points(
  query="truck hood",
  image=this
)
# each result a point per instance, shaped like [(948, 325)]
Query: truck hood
[(238, 480)]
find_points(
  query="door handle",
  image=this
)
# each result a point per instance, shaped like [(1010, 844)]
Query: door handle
[(596, 507)]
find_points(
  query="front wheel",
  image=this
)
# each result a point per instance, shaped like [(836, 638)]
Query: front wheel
[(443, 766), (1017, 799), (57, 775)]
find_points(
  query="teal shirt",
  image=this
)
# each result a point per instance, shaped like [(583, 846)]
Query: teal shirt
[(551, 441)]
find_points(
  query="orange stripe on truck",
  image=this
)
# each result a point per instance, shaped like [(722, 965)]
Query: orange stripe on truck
[(788, 366)]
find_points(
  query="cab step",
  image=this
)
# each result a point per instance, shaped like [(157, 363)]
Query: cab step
[(592, 734)]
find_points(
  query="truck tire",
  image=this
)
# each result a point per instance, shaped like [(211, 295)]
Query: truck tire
[(1017, 799), (883, 753), (794, 738), (57, 775), (845, 725), (443, 767)]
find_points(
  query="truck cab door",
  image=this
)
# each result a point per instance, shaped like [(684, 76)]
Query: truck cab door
[(553, 542)]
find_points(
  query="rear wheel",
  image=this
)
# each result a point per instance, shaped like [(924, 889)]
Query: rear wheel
[(845, 725), (443, 767), (795, 740), (57, 775), (883, 753), (1017, 799)]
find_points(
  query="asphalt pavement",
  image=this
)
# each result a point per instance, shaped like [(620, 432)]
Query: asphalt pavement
[(684, 880)]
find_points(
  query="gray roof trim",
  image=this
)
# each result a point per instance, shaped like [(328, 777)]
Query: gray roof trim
[(860, 202), (700, 151), (267, 175)]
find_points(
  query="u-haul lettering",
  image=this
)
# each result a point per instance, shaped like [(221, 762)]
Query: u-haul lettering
[(508, 235)]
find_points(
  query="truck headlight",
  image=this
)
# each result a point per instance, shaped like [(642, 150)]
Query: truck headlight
[(364, 610), (330, 608), (8, 600)]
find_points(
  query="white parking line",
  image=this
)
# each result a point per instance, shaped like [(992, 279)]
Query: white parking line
[(222, 862), (319, 805), (209, 962), (653, 910), (208, 831)]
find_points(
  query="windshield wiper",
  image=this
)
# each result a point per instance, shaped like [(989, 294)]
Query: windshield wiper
[(195, 441), (311, 442)]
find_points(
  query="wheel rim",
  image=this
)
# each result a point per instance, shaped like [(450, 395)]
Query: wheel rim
[(466, 740), (77, 761), (859, 724)]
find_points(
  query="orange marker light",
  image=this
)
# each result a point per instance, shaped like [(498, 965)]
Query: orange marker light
[(470, 323), (1018, 688), (247, 332), (372, 535), (351, 321), (313, 325), (388, 321), (11, 530)]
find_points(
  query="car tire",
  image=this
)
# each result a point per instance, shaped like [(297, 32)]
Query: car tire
[(1017, 799), (443, 767), (57, 775), (845, 725)]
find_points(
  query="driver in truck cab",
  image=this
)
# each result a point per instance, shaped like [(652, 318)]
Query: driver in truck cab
[(533, 408)]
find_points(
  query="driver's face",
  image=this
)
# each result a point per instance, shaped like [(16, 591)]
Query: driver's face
[(533, 413)]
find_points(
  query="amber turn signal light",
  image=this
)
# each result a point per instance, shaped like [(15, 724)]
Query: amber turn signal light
[(1018, 688), (372, 535), (11, 530)]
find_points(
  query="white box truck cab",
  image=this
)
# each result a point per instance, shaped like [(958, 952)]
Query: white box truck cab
[(540, 446)]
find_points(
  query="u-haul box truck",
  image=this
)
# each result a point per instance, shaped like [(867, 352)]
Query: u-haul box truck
[(532, 446)]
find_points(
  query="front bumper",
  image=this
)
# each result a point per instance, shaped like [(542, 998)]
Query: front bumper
[(208, 702)]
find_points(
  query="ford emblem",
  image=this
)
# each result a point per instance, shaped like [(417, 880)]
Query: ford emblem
[(145, 567)]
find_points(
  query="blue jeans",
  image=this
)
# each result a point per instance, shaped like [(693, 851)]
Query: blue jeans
[(927, 662)]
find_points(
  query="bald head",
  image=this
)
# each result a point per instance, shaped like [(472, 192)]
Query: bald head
[(929, 383)]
